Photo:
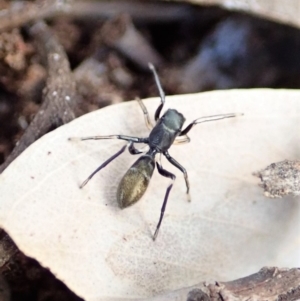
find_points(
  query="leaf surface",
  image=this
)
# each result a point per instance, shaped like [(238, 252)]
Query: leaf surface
[(275, 10), (229, 230)]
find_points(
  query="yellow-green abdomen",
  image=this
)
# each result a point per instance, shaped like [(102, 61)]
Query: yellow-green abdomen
[(135, 182)]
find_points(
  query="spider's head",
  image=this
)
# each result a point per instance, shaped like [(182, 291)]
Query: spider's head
[(173, 120)]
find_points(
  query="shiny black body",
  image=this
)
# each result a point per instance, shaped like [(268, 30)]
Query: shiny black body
[(167, 131)]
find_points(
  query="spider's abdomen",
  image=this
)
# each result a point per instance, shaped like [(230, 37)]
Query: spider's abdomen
[(135, 181)]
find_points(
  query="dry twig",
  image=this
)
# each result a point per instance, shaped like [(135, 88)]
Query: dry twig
[(269, 284), (60, 97), (121, 34), (22, 12)]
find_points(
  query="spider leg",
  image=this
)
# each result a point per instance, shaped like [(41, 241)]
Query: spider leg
[(146, 114), (166, 174), (132, 151), (206, 119), (183, 170), (160, 90), (121, 137), (181, 140)]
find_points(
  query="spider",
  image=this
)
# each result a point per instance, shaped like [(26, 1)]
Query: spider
[(167, 131)]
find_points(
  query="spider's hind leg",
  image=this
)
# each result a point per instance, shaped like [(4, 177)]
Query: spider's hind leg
[(166, 174), (183, 170)]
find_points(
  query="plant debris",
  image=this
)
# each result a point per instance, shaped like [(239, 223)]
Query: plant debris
[(280, 179)]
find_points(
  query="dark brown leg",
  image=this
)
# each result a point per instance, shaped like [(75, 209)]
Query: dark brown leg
[(103, 165), (166, 174), (183, 170)]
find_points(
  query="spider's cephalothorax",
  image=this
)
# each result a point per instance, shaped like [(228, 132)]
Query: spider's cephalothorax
[(167, 128), (167, 131)]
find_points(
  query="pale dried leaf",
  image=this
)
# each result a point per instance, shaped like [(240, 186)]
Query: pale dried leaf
[(277, 10), (229, 230)]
